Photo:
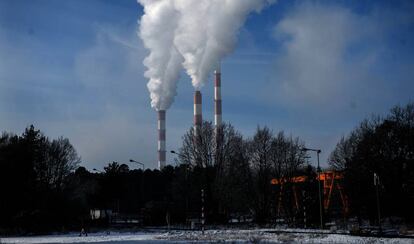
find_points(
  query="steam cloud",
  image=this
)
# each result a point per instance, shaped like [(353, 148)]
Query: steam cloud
[(157, 30), (195, 34), (207, 31)]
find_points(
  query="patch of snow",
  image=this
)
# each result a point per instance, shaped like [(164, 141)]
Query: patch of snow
[(75, 238), (274, 236), (216, 235)]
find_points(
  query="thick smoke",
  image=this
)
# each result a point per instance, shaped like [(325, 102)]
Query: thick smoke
[(157, 30), (195, 34), (207, 31)]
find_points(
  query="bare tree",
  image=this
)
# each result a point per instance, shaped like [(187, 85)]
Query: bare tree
[(260, 147), (198, 150), (346, 148), (233, 178), (60, 160)]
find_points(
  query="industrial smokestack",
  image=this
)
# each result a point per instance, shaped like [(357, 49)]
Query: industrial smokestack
[(198, 117), (217, 97), (161, 139)]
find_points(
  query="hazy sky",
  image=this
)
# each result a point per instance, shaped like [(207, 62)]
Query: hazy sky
[(314, 69)]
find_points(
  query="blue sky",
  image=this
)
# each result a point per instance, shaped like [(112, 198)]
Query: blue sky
[(314, 69)]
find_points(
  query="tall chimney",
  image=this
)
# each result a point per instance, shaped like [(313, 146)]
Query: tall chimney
[(161, 139), (217, 97), (198, 117)]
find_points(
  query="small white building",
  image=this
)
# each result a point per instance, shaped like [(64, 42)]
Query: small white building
[(100, 213)]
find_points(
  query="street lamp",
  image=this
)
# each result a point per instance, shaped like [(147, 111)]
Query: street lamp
[(133, 161), (318, 151), (176, 153), (180, 155), (377, 184), (142, 179)]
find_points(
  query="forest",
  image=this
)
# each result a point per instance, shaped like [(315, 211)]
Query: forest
[(45, 188)]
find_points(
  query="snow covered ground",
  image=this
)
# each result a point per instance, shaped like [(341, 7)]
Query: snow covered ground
[(272, 236), (238, 236), (91, 238)]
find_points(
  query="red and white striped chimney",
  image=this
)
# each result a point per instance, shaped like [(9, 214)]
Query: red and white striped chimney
[(198, 117), (217, 97), (161, 139)]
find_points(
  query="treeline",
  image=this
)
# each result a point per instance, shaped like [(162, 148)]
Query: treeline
[(43, 189), (34, 173), (384, 146)]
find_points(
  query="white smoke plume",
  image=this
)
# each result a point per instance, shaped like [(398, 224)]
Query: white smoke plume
[(207, 31), (195, 34), (164, 62)]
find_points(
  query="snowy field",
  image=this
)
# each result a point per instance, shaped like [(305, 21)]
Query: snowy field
[(211, 236), (91, 238)]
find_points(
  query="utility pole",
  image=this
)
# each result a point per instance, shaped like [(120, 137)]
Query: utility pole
[(319, 187), (376, 184), (142, 197), (304, 208), (202, 211), (318, 151)]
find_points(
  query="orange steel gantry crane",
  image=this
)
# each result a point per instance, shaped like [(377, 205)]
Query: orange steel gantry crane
[(331, 180)]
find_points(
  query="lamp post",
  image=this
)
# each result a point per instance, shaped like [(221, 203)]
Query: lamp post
[(97, 171), (142, 179), (318, 151), (180, 155), (377, 184), (133, 161)]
